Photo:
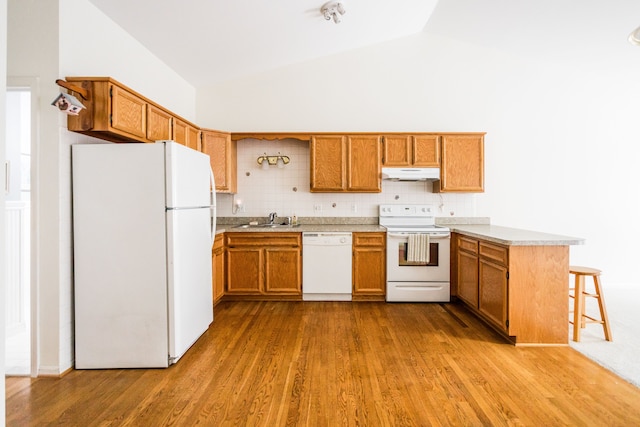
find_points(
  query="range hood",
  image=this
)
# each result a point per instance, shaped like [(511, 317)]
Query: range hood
[(411, 174)]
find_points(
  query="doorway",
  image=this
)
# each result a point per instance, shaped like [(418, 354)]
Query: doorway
[(20, 109)]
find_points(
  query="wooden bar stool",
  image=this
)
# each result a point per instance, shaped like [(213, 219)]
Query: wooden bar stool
[(580, 318)]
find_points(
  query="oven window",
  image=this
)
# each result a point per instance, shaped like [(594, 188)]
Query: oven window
[(433, 256)]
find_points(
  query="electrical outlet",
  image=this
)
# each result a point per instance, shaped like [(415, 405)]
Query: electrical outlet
[(317, 208), (354, 208)]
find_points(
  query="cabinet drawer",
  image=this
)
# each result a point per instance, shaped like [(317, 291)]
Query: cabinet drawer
[(467, 244), (263, 239), (369, 239), (495, 253)]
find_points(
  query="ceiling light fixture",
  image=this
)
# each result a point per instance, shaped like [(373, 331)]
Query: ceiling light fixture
[(634, 37), (333, 10)]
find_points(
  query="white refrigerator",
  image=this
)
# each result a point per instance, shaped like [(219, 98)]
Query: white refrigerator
[(143, 230)]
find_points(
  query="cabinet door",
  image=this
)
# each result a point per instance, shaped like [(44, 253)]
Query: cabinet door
[(244, 271), (369, 264), (426, 151), (468, 278), (193, 138), (397, 151), (158, 124), (363, 164), (493, 292), (179, 131), (223, 156), (217, 265), (128, 112), (462, 165), (185, 134), (369, 271), (328, 161), (283, 272)]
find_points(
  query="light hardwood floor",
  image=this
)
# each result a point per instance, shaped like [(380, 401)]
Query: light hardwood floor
[(328, 364)]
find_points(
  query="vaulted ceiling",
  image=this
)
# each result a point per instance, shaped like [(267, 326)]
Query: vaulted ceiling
[(212, 41), (208, 41)]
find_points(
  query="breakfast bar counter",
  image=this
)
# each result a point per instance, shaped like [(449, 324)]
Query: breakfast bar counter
[(514, 236)]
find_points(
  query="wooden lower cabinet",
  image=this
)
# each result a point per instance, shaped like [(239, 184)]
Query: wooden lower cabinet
[(521, 291), (468, 278), (218, 268), (369, 266), (492, 292), (264, 265)]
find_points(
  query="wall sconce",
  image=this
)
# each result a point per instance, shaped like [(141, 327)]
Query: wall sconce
[(279, 160), (333, 9)]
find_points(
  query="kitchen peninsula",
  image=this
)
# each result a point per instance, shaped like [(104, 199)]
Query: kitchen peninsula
[(515, 280)]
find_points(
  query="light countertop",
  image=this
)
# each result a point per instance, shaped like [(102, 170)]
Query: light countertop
[(302, 228), (472, 227), (514, 236)]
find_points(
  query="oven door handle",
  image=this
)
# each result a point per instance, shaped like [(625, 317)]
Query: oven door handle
[(431, 235)]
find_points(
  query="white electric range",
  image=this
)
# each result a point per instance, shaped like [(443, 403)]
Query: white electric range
[(408, 279)]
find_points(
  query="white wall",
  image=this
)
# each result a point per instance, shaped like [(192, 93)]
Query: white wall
[(561, 136), (51, 40), (3, 89), (32, 52)]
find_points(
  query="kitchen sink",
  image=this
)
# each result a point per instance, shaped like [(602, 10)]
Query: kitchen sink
[(266, 225)]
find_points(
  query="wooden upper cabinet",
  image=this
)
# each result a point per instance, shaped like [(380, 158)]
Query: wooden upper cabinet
[(462, 164), (193, 138), (117, 113), (363, 164), (328, 163), (158, 124), (223, 153), (128, 112), (348, 163), (396, 151), (426, 150), (411, 151), (186, 134)]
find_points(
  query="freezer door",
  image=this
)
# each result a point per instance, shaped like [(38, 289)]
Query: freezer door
[(188, 177), (189, 271)]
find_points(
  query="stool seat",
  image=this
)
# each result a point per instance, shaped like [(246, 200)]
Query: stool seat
[(587, 271), (580, 318)]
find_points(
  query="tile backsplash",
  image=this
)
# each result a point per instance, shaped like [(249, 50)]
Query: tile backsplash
[(286, 191)]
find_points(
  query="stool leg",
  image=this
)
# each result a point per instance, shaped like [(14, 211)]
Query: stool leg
[(603, 309), (578, 304), (583, 319)]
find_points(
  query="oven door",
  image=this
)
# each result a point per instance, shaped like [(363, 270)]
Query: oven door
[(410, 281), (400, 270)]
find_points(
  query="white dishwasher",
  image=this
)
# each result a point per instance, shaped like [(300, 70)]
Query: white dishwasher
[(326, 266)]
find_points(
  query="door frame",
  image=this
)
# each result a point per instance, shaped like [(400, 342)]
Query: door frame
[(33, 85)]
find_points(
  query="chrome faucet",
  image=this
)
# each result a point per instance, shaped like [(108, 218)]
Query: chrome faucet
[(272, 217)]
